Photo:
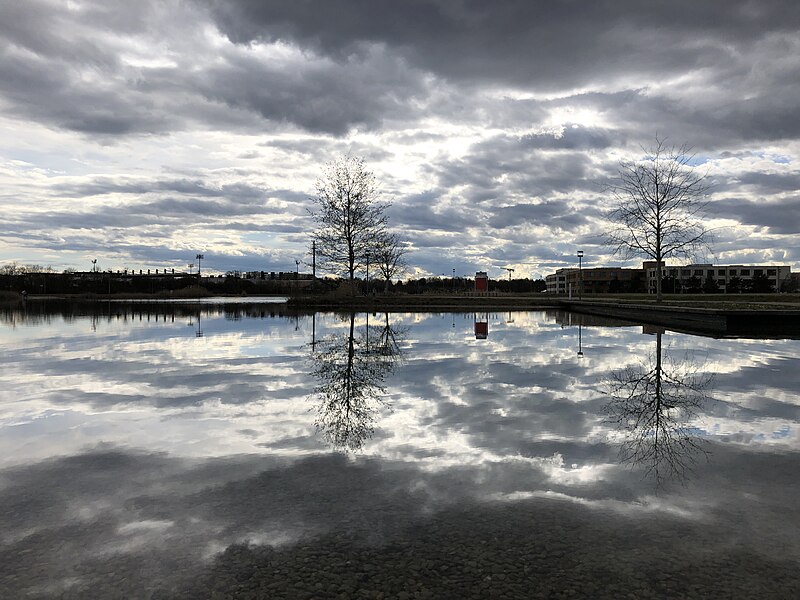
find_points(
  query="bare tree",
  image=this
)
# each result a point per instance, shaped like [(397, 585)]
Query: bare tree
[(660, 202), (349, 216), (654, 404), (390, 257), (15, 268)]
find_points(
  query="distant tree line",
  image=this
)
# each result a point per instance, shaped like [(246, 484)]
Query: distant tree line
[(51, 282), (444, 285)]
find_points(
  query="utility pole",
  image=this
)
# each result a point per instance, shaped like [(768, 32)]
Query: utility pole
[(367, 275), (510, 271), (313, 264), (580, 274)]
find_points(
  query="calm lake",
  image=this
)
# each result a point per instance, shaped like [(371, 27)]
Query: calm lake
[(244, 451)]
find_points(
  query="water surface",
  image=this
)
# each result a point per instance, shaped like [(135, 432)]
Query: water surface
[(245, 451)]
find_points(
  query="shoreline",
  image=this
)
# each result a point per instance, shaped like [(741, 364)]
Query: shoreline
[(773, 315), (749, 302)]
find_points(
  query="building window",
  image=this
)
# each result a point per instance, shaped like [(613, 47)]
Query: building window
[(772, 272), (758, 271), (721, 272), (698, 272), (732, 272), (686, 272), (746, 272)]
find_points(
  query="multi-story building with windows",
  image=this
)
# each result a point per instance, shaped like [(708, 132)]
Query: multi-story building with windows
[(677, 279), (599, 280), (728, 278)]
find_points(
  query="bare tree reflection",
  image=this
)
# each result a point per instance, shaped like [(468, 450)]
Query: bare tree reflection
[(654, 405), (351, 368)]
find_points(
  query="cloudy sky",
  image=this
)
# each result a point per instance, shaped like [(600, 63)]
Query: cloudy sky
[(140, 133)]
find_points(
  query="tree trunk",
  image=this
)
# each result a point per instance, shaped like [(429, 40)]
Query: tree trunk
[(659, 275)]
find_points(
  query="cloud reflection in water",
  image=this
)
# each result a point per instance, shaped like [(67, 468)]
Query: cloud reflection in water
[(132, 446)]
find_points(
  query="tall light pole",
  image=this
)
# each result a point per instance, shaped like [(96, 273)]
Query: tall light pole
[(314, 265), (297, 272), (94, 265), (368, 274), (454, 280), (580, 275), (199, 257)]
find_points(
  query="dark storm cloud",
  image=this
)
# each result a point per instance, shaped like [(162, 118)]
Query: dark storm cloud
[(769, 183), (195, 187), (47, 92), (79, 82), (371, 62), (723, 109), (780, 216), (505, 168), (555, 215), (426, 212), (329, 97), (550, 44)]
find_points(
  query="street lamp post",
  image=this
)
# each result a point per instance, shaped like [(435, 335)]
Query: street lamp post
[(580, 275), (367, 257), (199, 257)]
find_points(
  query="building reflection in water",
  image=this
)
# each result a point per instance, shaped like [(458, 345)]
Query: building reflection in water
[(653, 404), (350, 369), (481, 326)]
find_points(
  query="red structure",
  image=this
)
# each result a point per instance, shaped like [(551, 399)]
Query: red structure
[(481, 281), (481, 326)]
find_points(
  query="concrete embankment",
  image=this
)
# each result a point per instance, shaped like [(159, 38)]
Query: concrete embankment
[(722, 322)]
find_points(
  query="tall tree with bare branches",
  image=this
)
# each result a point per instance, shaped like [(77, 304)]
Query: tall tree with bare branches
[(660, 204), (349, 215)]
